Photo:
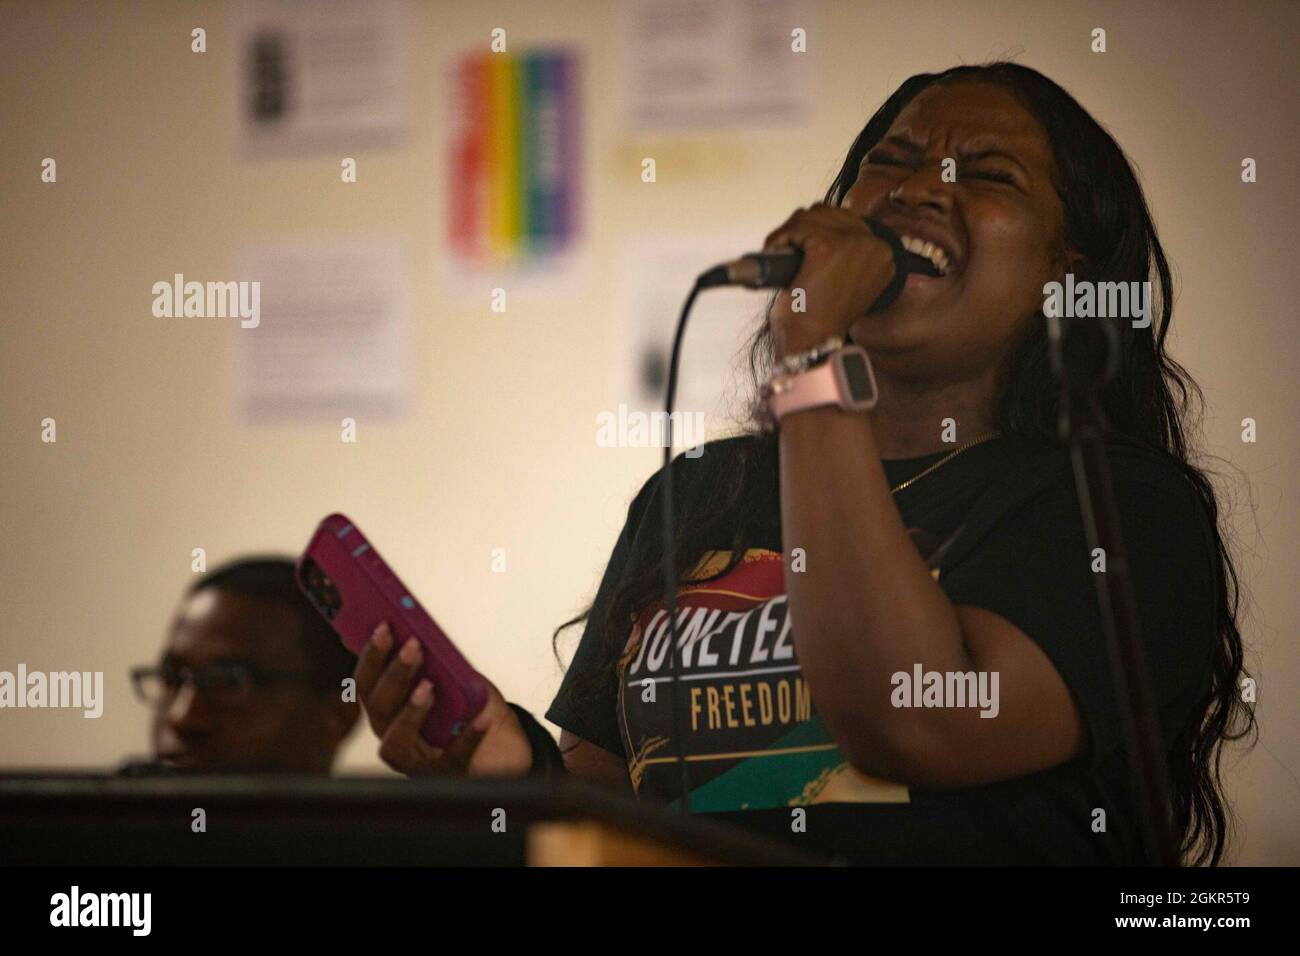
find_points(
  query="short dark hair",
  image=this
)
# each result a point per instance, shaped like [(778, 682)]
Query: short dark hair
[(274, 578)]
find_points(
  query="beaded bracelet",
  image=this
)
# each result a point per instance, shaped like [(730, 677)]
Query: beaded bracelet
[(787, 367), (802, 361)]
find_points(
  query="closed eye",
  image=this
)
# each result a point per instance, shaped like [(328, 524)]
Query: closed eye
[(994, 175), (882, 159), (879, 158)]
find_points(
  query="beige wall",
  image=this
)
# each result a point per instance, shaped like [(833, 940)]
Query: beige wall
[(97, 529)]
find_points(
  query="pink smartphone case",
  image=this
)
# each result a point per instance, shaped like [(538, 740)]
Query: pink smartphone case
[(349, 583)]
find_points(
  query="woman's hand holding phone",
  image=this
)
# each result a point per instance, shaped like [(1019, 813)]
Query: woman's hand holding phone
[(493, 745)]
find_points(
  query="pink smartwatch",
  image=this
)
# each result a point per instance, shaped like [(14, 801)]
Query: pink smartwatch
[(844, 379)]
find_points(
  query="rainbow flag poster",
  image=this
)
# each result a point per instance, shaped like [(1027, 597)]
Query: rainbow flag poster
[(515, 167)]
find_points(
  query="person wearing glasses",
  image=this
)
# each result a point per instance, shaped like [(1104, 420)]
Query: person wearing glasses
[(250, 678)]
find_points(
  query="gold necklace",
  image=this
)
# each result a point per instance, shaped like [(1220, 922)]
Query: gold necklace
[(943, 461)]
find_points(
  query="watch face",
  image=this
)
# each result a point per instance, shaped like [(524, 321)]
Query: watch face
[(857, 377)]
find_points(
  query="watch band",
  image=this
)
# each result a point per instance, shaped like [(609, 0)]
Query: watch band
[(811, 388), (826, 384)]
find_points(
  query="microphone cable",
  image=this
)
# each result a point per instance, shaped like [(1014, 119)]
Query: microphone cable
[(669, 558)]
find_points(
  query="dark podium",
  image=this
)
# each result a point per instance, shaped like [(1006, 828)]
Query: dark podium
[(100, 820)]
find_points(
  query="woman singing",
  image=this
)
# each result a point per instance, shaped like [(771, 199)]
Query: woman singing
[(889, 641)]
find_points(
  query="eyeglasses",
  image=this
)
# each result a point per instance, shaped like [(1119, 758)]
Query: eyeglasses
[(228, 684)]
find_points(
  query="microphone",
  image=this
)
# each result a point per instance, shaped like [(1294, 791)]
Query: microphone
[(776, 270), (764, 270)]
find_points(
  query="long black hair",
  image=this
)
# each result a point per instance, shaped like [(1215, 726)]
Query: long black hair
[(1152, 402)]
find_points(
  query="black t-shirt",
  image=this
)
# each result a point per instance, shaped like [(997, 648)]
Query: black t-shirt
[(1000, 528)]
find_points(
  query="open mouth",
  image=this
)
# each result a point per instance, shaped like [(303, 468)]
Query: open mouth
[(925, 258)]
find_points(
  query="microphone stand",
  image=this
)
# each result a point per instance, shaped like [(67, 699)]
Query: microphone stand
[(1084, 356)]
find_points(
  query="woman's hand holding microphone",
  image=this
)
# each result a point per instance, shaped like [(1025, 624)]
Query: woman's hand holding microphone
[(846, 267)]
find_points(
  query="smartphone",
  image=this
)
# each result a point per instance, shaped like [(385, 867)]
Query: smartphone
[(351, 586)]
